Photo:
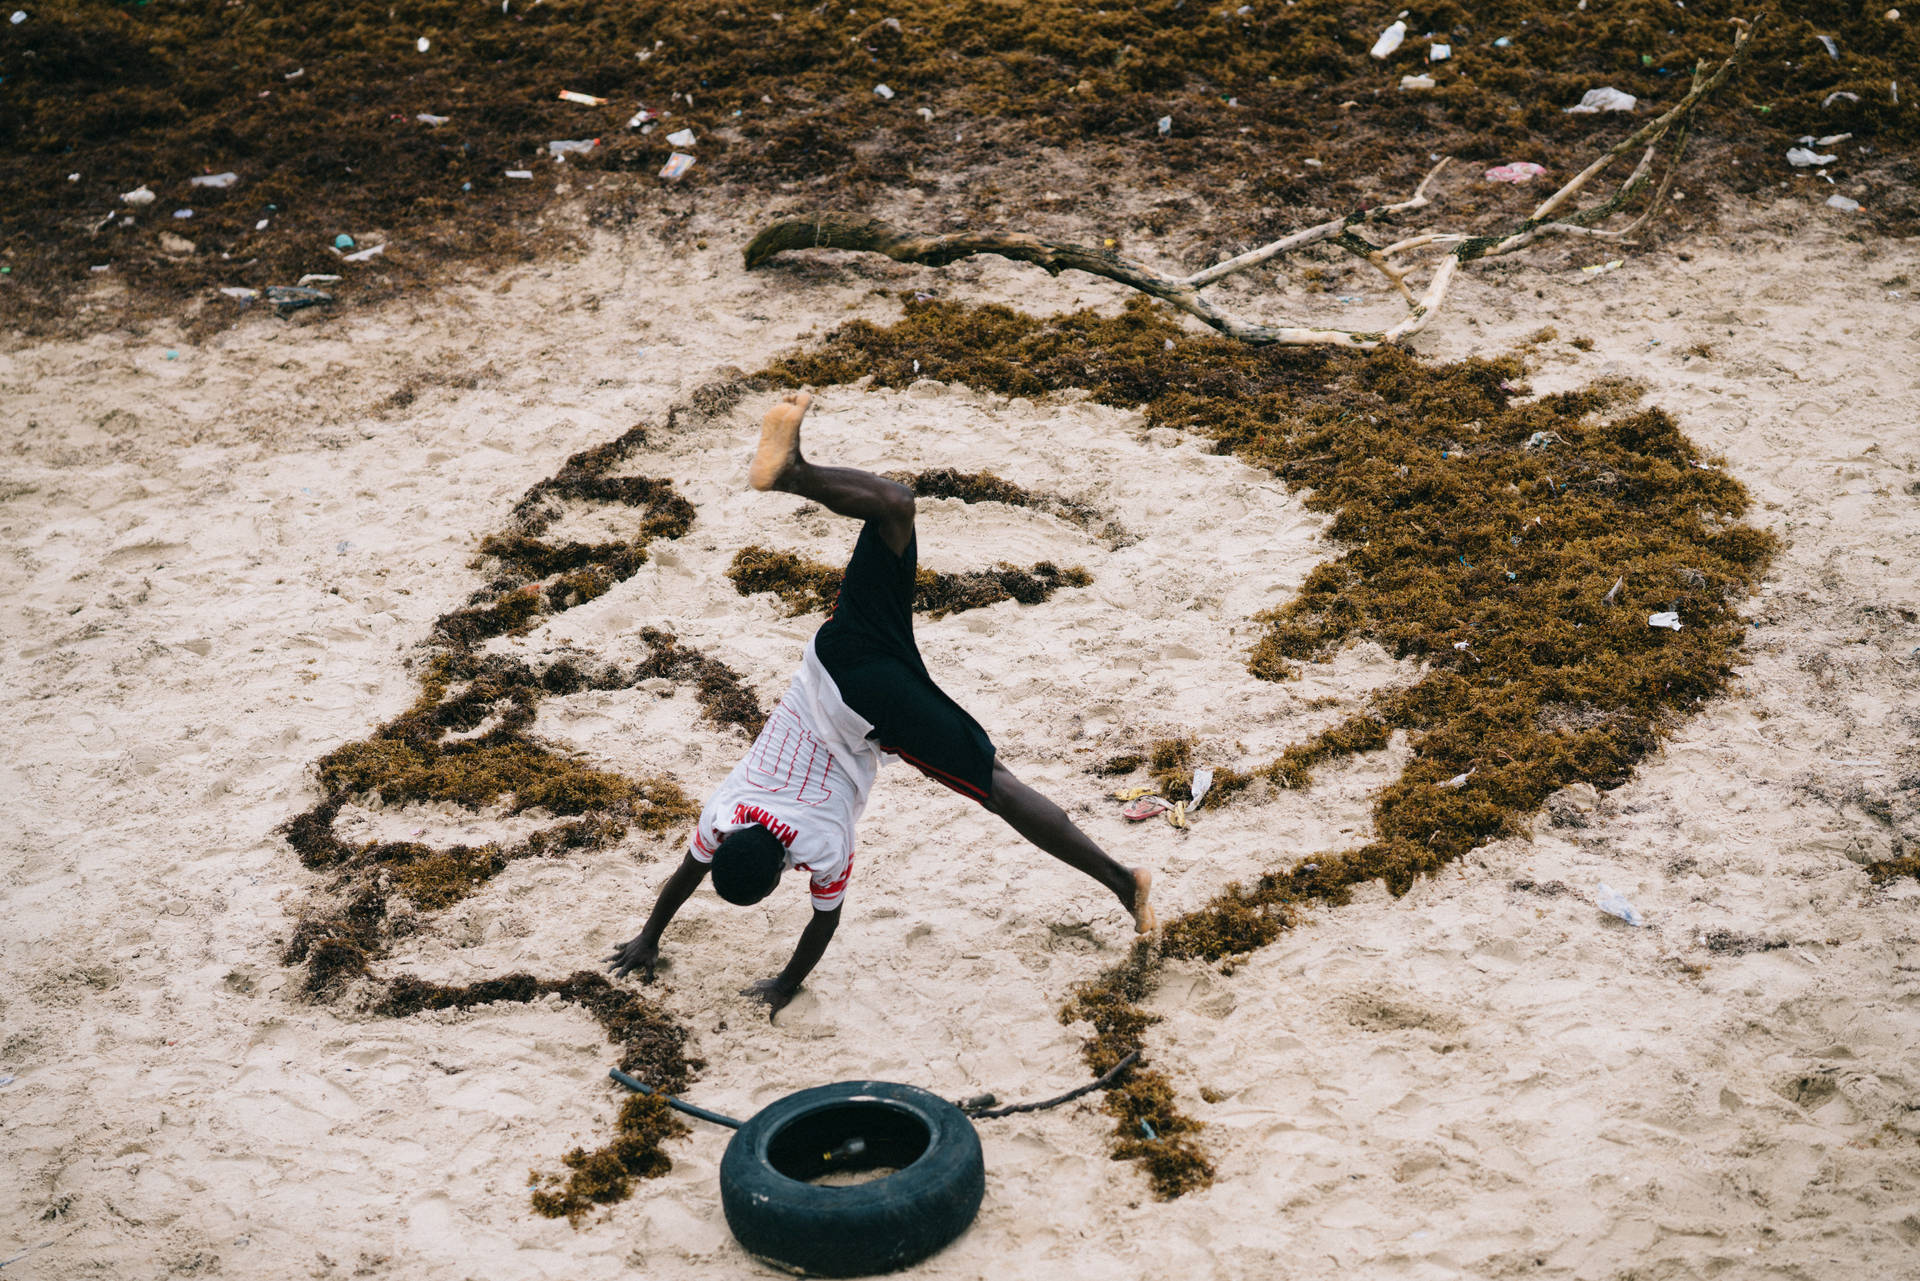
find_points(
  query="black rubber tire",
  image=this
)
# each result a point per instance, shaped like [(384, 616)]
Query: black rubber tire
[(865, 1228)]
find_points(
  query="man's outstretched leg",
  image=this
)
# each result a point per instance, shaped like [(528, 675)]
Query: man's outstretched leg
[(1047, 825), (845, 491)]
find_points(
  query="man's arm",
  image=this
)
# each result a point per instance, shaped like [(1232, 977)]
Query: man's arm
[(643, 949), (776, 992)]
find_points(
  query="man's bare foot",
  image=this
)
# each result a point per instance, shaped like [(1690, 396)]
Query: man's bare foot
[(779, 440), (1143, 918)]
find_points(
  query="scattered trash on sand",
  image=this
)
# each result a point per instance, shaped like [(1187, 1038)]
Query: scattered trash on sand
[(1835, 96), (584, 99), (239, 291), (1541, 439), (423, 44), (561, 148), (289, 298), (1145, 808), (1601, 268), (1598, 100), (684, 138), (1202, 784), (177, 246), (883, 92), (1458, 781), (1806, 157), (1417, 82), (642, 117), (372, 251), (1669, 620), (183, 213), (676, 167), (427, 118), (1165, 125), (1518, 171), (138, 196), (219, 181), (1614, 903), (317, 278), (1847, 203), (1439, 52), (343, 241), (522, 174), (1833, 50), (1389, 40)]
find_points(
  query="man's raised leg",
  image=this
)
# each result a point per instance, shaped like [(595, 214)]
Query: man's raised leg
[(845, 491), (1047, 826)]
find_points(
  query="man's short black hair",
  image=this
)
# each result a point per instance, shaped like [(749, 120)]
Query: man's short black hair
[(747, 865)]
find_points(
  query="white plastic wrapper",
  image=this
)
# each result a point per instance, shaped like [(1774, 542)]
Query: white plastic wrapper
[(1598, 100)]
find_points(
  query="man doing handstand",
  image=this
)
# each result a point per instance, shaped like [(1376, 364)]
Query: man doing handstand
[(862, 695)]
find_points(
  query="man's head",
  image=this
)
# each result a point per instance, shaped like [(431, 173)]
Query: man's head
[(747, 865)]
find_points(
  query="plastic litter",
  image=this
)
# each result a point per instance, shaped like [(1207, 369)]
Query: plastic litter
[(560, 148), (684, 138), (1458, 780), (1601, 268), (173, 353), (926, 114), (1847, 203), (1805, 157), (1202, 784), (1503, 42), (175, 245), (1389, 40), (883, 92), (1541, 439), (293, 297), (426, 118), (295, 74), (584, 99), (1439, 52), (1835, 96), (239, 291), (1165, 126), (1518, 171), (1614, 903), (676, 167), (642, 117), (1833, 50), (522, 174), (1417, 82), (19, 16), (343, 241), (1828, 141), (316, 278), (183, 213), (215, 180), (8, 1080), (423, 44), (1598, 100), (1669, 620), (138, 196), (372, 251)]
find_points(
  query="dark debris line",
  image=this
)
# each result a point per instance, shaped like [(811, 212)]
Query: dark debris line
[(317, 109)]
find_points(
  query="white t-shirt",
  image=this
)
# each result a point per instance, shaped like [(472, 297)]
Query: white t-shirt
[(805, 779)]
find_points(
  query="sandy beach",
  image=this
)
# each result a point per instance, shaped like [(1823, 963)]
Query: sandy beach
[(222, 558)]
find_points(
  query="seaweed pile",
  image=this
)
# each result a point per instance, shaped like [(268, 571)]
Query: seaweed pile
[(1514, 546), (400, 125), (811, 586)]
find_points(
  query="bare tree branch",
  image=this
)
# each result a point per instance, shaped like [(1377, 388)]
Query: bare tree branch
[(836, 231)]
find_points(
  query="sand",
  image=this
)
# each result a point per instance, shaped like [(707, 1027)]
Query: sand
[(219, 566)]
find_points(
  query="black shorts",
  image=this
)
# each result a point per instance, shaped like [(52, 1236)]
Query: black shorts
[(867, 647)]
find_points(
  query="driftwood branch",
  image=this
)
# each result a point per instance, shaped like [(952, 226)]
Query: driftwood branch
[(1106, 1078), (837, 231)]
